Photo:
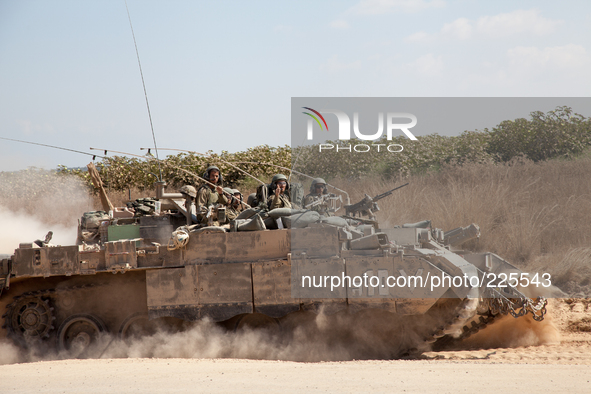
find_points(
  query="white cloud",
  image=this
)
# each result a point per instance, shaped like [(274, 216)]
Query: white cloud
[(428, 65), (516, 22), (460, 29), (377, 7), (496, 26), (420, 36), (335, 65), (339, 24), (563, 57), (530, 71)]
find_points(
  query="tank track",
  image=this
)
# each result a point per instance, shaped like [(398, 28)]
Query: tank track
[(438, 342), (39, 309), (40, 294), (462, 314), (495, 308)]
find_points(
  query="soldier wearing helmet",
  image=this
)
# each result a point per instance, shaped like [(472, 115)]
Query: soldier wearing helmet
[(209, 195), (252, 199), (317, 190), (280, 193), (235, 206), (189, 193)]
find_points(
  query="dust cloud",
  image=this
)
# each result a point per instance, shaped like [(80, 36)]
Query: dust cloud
[(9, 353), (313, 338), (304, 337), (509, 332), (17, 227), (34, 201)]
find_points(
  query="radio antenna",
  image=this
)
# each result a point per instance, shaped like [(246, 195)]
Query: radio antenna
[(55, 147), (144, 85)]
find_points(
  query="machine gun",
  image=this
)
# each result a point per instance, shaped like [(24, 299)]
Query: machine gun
[(367, 206), (327, 202)]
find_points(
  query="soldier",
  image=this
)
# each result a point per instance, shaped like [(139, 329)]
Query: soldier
[(317, 190), (280, 189), (208, 195), (235, 206), (252, 199), (189, 193)]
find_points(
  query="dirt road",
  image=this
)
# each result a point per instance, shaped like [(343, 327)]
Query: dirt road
[(255, 376), (564, 366)]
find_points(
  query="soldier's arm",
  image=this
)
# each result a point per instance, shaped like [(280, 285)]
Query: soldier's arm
[(222, 199), (231, 214), (286, 201), (274, 202), (202, 198)]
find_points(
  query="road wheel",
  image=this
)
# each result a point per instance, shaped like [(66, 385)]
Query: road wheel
[(78, 333)]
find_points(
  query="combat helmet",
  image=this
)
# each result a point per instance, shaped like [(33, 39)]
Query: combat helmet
[(236, 191), (209, 169), (252, 199), (188, 190), (277, 178), (316, 181)]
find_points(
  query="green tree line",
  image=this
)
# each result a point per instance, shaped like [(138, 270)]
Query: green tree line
[(560, 133)]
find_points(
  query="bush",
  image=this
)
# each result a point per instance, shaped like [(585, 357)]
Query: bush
[(558, 133)]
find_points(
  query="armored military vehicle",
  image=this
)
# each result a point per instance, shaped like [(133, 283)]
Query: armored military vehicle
[(146, 264)]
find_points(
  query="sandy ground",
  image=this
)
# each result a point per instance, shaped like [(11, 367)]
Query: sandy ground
[(557, 366)]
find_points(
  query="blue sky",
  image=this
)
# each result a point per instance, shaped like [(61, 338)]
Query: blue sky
[(220, 74)]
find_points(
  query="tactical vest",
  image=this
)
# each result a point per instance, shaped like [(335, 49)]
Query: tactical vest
[(213, 195)]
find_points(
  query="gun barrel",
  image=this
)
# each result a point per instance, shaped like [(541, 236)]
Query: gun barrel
[(386, 194), (368, 204)]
